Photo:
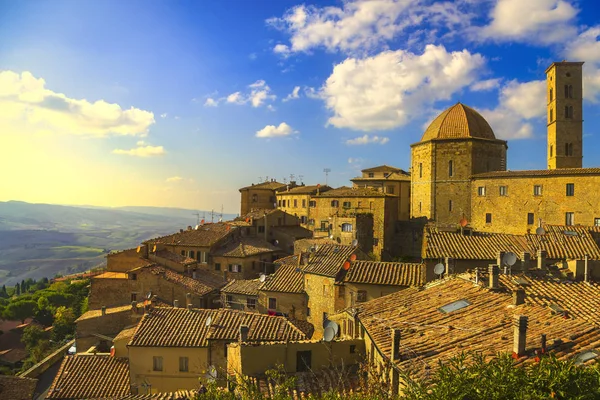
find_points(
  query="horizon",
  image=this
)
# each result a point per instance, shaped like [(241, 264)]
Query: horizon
[(152, 105)]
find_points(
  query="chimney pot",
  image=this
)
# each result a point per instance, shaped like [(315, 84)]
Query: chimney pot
[(520, 334), (541, 259), (176, 303), (396, 334), (244, 329), (494, 272), (103, 310), (189, 306), (518, 297)]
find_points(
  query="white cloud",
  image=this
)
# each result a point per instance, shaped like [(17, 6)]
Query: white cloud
[(587, 47), (259, 94), (174, 179), (275, 131), (366, 139), (532, 21), (294, 95), (281, 49), (163, 115), (487, 84), (26, 103), (387, 90), (144, 151), (236, 98), (519, 105), (210, 102), (140, 143)]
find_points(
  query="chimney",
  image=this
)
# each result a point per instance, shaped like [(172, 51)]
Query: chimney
[(525, 260), (181, 231), (541, 259), (244, 329), (520, 332), (499, 258), (176, 303), (396, 344), (134, 307), (189, 228), (494, 272), (189, 306), (586, 276), (188, 299), (103, 310), (194, 274), (518, 297), (447, 261)]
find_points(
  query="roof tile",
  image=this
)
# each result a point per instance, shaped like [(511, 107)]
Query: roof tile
[(386, 273)]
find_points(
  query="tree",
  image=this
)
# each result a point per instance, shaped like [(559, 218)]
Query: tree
[(20, 310), (23, 286), (3, 292), (64, 323), (17, 289), (36, 342)]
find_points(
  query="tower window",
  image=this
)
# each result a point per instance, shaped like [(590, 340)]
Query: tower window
[(551, 115), (419, 206), (481, 191), (537, 190), (503, 190), (568, 91), (569, 218), (488, 218), (530, 219), (568, 111), (420, 170), (551, 94), (570, 189), (596, 221), (551, 150), (568, 149), (450, 168), (450, 205), (371, 174)]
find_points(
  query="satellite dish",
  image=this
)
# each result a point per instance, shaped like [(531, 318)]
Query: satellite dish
[(275, 242), (540, 231), (332, 325), (463, 222), (312, 249), (353, 257), (328, 334), (262, 277), (509, 259), (316, 247), (439, 269), (208, 321), (346, 265), (197, 227), (149, 295), (355, 242)]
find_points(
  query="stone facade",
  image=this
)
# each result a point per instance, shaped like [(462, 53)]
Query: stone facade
[(261, 195), (293, 305), (324, 299)]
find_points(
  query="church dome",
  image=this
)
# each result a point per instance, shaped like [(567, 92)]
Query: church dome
[(459, 121)]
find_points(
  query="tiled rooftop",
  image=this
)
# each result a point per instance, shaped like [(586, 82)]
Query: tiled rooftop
[(178, 258), (328, 259), (178, 395), (353, 192), (205, 236), (289, 260), (204, 283), (242, 286), (245, 246), (287, 278), (383, 168), (311, 189), (270, 185), (126, 333), (91, 377), (16, 387), (538, 173), (485, 325), (180, 327), (109, 310), (458, 121), (294, 230), (256, 213), (386, 273), (111, 275)]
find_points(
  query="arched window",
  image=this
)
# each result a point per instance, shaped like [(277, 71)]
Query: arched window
[(551, 94), (255, 198), (346, 227), (450, 168), (568, 91)]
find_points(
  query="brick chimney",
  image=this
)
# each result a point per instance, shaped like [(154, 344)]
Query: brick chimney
[(520, 332), (103, 310), (518, 297), (499, 257), (244, 329), (396, 334), (189, 306), (176, 303), (188, 299), (541, 259), (494, 272)]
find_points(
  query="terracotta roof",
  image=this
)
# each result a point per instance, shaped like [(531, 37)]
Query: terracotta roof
[(294, 230), (204, 283), (289, 260), (287, 278), (16, 387), (538, 173), (311, 189), (244, 247), (270, 185), (112, 275), (109, 310), (178, 395), (205, 236), (180, 327), (178, 258), (574, 244), (383, 168), (458, 121), (353, 192), (328, 259), (91, 377), (242, 286), (386, 273), (485, 324), (13, 356), (126, 333), (394, 176)]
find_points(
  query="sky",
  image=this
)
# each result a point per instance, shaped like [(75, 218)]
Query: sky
[(181, 103)]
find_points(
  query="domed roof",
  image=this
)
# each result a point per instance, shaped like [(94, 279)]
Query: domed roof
[(459, 121)]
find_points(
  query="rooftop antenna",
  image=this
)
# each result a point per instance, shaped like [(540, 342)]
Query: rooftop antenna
[(212, 215), (221, 215), (327, 171), (197, 214), (260, 179), (292, 176), (301, 179)]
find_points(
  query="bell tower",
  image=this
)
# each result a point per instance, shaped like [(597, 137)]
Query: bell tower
[(565, 114)]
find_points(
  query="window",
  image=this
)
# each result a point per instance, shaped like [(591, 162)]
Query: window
[(261, 229), (420, 170), (303, 361), (570, 189), (551, 95), (133, 296), (450, 205), (311, 221), (295, 203), (568, 149), (568, 111), (335, 203), (183, 253), (228, 300), (312, 203), (488, 218), (503, 190), (352, 349), (481, 191), (254, 198), (551, 150), (450, 168), (250, 303), (569, 218), (537, 190), (420, 206), (390, 190), (530, 219), (303, 203), (346, 227), (347, 204), (134, 277), (341, 291), (235, 268), (157, 363), (456, 305), (324, 225), (203, 257), (568, 91), (272, 303), (596, 221), (361, 296), (551, 115), (183, 364), (371, 175), (279, 203), (358, 205), (303, 219)]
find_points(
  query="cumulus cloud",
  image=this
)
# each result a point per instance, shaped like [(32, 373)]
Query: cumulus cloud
[(259, 94), (294, 95), (488, 84), (387, 90), (174, 179), (519, 105), (142, 151), (587, 47), (275, 131), (366, 139), (532, 21), (25, 101), (210, 102), (163, 115)]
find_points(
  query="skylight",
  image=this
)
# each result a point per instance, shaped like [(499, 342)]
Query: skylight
[(571, 233), (586, 356), (457, 305)]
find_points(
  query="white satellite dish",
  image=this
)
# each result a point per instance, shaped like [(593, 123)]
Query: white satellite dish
[(149, 295), (540, 231), (328, 334), (276, 242), (355, 242), (332, 325), (331, 236), (316, 247), (439, 269), (509, 259), (208, 321), (262, 277)]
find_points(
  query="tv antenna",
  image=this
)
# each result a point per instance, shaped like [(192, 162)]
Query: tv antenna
[(301, 178), (260, 179), (197, 214), (327, 171), (292, 176), (221, 215)]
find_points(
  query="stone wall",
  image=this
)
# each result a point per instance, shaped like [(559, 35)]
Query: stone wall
[(292, 304), (125, 260), (109, 325), (321, 293)]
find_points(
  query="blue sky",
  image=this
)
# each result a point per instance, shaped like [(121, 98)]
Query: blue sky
[(180, 103)]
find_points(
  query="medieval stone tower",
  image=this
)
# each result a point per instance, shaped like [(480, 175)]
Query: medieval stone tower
[(565, 115), (457, 144)]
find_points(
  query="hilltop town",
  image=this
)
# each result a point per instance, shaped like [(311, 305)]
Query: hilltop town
[(402, 270)]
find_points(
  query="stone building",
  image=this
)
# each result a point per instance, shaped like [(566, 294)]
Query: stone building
[(296, 201), (242, 294), (262, 195), (245, 257)]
